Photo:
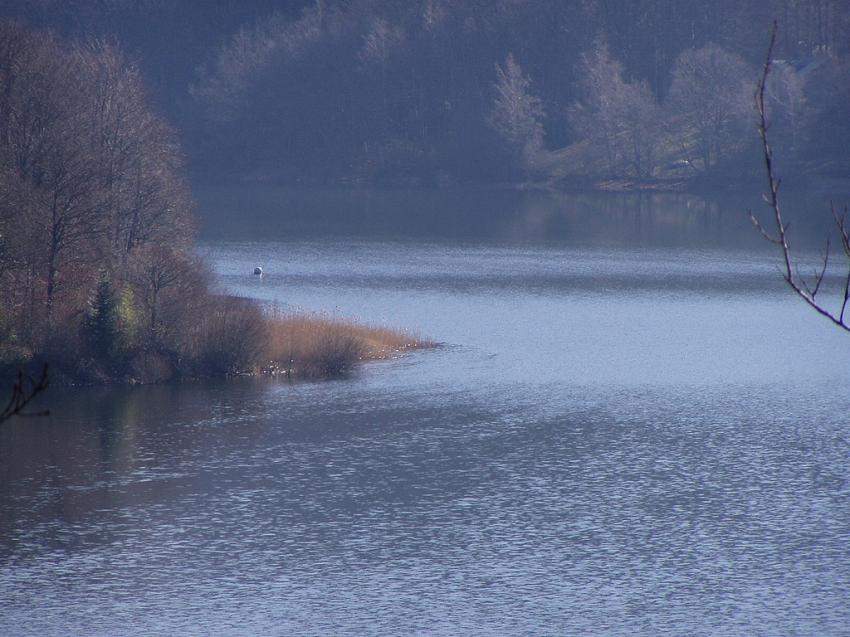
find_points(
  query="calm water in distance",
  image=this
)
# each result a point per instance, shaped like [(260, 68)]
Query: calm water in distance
[(631, 428)]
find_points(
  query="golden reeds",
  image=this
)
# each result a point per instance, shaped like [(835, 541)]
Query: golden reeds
[(315, 345)]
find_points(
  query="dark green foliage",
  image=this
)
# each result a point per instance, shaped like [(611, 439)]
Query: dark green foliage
[(101, 327)]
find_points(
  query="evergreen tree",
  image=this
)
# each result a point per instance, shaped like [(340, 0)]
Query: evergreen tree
[(101, 326)]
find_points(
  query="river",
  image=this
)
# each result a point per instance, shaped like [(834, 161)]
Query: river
[(630, 428)]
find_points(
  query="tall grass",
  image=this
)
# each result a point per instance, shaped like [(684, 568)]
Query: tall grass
[(312, 346), (238, 336)]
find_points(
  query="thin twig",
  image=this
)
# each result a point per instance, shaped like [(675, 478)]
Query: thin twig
[(819, 276), (791, 273), (24, 391), (761, 229)]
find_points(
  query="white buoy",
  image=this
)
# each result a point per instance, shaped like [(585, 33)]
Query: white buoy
[(258, 270)]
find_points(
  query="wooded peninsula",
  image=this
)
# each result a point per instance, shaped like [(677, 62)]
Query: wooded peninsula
[(98, 274)]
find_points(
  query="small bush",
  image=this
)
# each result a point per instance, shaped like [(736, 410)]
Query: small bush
[(231, 336)]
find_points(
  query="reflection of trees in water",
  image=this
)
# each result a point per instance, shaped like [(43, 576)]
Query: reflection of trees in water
[(487, 214), (628, 219), (81, 458), (117, 422)]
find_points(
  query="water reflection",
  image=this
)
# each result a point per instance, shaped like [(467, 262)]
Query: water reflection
[(638, 510), (631, 219)]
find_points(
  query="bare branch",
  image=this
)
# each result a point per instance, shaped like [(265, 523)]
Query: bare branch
[(791, 273), (761, 229), (819, 276), (841, 222), (24, 391), (846, 298)]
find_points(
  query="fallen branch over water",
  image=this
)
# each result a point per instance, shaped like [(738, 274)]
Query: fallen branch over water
[(24, 392)]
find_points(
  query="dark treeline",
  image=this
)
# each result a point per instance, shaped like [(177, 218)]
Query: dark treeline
[(437, 91), (168, 39)]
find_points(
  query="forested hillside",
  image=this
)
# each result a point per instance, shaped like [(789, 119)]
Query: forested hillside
[(438, 92)]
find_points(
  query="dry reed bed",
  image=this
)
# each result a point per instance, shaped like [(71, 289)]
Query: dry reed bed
[(239, 336), (314, 346)]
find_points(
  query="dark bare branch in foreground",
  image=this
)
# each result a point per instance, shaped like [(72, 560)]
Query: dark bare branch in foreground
[(23, 393), (805, 289)]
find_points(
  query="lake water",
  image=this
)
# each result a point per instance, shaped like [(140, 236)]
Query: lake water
[(631, 428)]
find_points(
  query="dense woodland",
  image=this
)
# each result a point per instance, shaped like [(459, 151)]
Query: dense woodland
[(438, 92), (95, 220)]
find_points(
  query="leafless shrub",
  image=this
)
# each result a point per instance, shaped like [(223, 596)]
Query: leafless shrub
[(231, 336)]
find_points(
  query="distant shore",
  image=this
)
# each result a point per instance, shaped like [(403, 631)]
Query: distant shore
[(743, 182)]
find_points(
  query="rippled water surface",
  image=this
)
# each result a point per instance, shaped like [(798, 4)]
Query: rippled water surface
[(619, 436)]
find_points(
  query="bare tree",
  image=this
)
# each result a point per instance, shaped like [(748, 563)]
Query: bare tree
[(47, 154), (711, 91), (595, 118), (140, 194), (156, 270), (620, 116), (806, 288), (517, 113), (641, 118)]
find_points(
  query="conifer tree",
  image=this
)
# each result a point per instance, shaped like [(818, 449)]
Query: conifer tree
[(101, 327)]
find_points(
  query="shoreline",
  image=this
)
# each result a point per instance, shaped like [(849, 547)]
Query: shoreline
[(255, 342), (742, 184)]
